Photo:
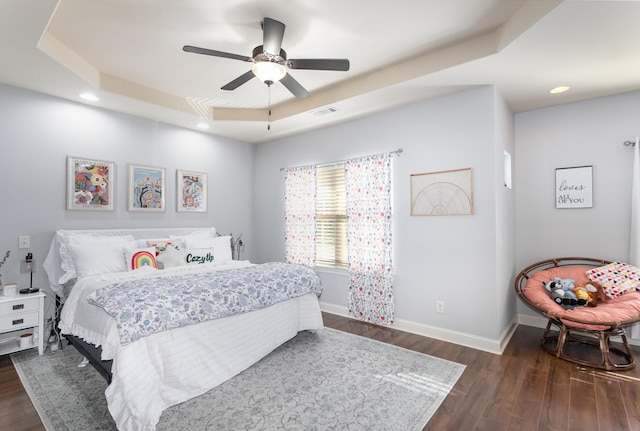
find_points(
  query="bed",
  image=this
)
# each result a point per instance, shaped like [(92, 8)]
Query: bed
[(150, 370)]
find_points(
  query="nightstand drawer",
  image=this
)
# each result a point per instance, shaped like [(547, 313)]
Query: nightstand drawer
[(8, 323), (21, 306)]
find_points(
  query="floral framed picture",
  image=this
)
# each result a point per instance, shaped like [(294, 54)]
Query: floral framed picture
[(146, 188), (191, 191), (90, 184)]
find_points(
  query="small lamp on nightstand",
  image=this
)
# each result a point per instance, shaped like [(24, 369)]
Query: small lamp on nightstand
[(28, 265)]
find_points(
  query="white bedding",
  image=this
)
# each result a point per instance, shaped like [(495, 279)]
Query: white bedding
[(170, 367)]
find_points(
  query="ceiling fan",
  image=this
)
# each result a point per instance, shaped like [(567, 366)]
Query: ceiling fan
[(270, 61)]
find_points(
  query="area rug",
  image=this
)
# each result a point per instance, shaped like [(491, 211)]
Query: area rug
[(329, 380)]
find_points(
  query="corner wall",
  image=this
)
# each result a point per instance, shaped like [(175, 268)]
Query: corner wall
[(449, 258), (577, 134)]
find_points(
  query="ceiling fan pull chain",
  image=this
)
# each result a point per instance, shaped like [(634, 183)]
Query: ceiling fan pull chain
[(269, 105)]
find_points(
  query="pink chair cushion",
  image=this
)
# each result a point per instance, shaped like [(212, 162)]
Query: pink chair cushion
[(623, 308)]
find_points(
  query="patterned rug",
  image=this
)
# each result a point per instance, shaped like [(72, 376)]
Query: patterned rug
[(330, 380)]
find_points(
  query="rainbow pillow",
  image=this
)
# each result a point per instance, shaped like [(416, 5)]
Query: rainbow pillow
[(140, 258)]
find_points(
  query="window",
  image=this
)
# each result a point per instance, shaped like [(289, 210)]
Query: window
[(331, 217), (323, 229)]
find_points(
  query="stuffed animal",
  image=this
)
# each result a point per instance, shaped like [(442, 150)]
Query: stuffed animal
[(592, 292), (598, 296), (561, 291), (583, 293)]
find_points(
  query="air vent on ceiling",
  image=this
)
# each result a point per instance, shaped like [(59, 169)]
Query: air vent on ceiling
[(324, 111)]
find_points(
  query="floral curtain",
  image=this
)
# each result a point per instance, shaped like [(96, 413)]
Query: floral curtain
[(300, 215), (369, 238)]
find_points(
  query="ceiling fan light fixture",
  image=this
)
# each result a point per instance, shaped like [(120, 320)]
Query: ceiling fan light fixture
[(269, 71)]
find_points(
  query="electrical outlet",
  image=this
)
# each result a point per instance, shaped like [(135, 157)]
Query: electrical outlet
[(440, 306), (24, 241)]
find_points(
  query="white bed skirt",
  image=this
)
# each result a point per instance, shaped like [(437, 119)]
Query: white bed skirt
[(171, 367)]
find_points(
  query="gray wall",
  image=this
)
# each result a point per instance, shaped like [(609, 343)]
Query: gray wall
[(505, 216), (435, 258), (38, 132), (577, 134)]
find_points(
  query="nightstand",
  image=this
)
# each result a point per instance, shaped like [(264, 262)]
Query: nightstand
[(21, 314)]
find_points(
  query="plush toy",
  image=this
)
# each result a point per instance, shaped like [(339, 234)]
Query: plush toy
[(561, 291), (592, 292), (598, 296), (583, 293)]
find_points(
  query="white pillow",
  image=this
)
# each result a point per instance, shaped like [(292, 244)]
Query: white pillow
[(136, 258), (101, 258), (221, 246), (209, 232), (67, 263), (170, 257)]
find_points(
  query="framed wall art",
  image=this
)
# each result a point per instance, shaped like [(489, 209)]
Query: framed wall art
[(574, 187), (90, 184), (146, 188), (191, 191), (442, 193)]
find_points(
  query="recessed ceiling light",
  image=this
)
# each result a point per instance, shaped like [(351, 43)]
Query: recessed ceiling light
[(89, 97), (202, 125), (560, 89)]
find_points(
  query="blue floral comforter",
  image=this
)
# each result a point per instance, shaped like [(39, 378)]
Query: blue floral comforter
[(145, 306)]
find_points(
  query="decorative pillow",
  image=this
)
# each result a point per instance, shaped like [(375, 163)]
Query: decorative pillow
[(199, 256), (617, 278), (171, 257), (136, 258), (221, 245), (162, 245), (101, 258)]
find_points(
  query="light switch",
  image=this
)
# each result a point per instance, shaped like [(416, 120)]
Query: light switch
[(24, 241)]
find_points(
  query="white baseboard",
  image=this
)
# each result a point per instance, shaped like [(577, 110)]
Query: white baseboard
[(456, 337), (535, 321), (461, 338)]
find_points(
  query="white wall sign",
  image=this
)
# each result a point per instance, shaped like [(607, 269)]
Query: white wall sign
[(574, 187)]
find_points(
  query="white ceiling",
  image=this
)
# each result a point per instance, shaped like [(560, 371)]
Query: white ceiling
[(129, 52)]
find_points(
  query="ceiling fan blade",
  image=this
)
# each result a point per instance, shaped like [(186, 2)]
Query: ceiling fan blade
[(294, 87), (239, 81), (273, 32), (204, 51), (319, 64)]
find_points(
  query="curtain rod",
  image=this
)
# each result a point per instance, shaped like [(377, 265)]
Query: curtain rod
[(628, 143), (335, 162)]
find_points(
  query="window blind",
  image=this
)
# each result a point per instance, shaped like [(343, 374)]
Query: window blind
[(331, 217)]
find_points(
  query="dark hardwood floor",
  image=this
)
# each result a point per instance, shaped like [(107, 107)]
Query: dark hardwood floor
[(523, 389), (16, 410)]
